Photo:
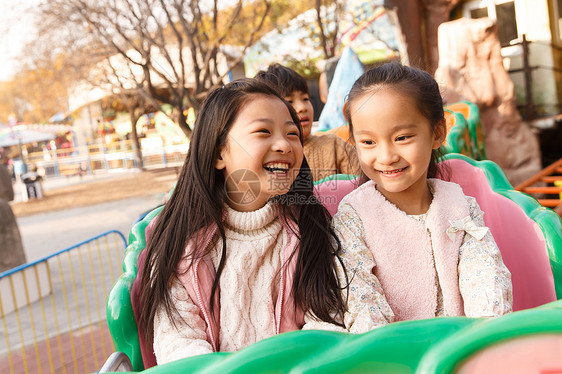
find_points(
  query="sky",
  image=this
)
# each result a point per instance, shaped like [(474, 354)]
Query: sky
[(16, 27)]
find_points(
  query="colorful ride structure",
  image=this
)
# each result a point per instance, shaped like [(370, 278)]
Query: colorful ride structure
[(546, 186), (529, 237)]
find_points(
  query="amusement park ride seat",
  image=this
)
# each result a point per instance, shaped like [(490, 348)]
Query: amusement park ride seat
[(529, 237), (530, 240)]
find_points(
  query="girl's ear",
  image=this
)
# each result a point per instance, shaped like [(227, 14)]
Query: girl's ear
[(440, 133), (219, 163)]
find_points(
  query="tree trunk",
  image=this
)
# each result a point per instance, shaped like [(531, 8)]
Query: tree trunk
[(138, 150), (6, 187), (182, 122), (436, 12), (410, 18)]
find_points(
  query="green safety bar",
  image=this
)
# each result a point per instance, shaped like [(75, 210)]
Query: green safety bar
[(438, 345)]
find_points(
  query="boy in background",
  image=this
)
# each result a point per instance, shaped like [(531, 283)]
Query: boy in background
[(326, 154)]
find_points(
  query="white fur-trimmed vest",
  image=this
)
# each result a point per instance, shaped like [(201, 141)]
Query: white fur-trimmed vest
[(403, 249)]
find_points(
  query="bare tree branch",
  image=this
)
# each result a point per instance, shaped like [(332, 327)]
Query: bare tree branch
[(171, 50)]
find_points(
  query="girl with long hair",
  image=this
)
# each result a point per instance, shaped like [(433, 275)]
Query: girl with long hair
[(242, 250)]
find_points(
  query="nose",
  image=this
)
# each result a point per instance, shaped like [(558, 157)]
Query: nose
[(281, 144), (386, 154), (299, 106)]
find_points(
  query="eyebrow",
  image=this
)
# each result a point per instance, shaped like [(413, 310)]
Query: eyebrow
[(269, 121), (266, 120), (394, 129), (404, 127)]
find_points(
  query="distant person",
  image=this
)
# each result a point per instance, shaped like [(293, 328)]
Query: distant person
[(347, 70), (326, 154), (327, 68), (11, 170), (242, 250), (414, 246)]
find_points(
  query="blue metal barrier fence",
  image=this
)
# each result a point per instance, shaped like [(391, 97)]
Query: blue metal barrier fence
[(52, 311)]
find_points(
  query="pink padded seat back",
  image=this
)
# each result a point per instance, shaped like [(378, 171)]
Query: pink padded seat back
[(331, 192), (519, 238)]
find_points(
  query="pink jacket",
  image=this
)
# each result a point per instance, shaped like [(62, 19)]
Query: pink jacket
[(198, 282), (405, 250)]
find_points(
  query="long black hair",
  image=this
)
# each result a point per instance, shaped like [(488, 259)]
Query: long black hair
[(197, 202), (413, 82)]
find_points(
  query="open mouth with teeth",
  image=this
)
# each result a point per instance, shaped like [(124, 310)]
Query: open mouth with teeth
[(277, 167), (390, 172)]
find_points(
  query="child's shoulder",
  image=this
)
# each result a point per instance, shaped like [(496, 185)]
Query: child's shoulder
[(473, 207), (322, 138), (330, 139), (452, 195), (325, 144), (350, 206), (364, 192), (445, 187)]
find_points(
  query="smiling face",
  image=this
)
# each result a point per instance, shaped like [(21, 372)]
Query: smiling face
[(394, 143), (262, 155), (303, 106)]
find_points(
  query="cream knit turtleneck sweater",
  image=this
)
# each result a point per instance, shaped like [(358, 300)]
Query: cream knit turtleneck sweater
[(249, 285)]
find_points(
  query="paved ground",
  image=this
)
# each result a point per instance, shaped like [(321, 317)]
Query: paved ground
[(69, 214), (46, 233), (73, 354)]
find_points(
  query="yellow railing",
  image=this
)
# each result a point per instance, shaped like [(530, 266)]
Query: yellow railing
[(53, 310)]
